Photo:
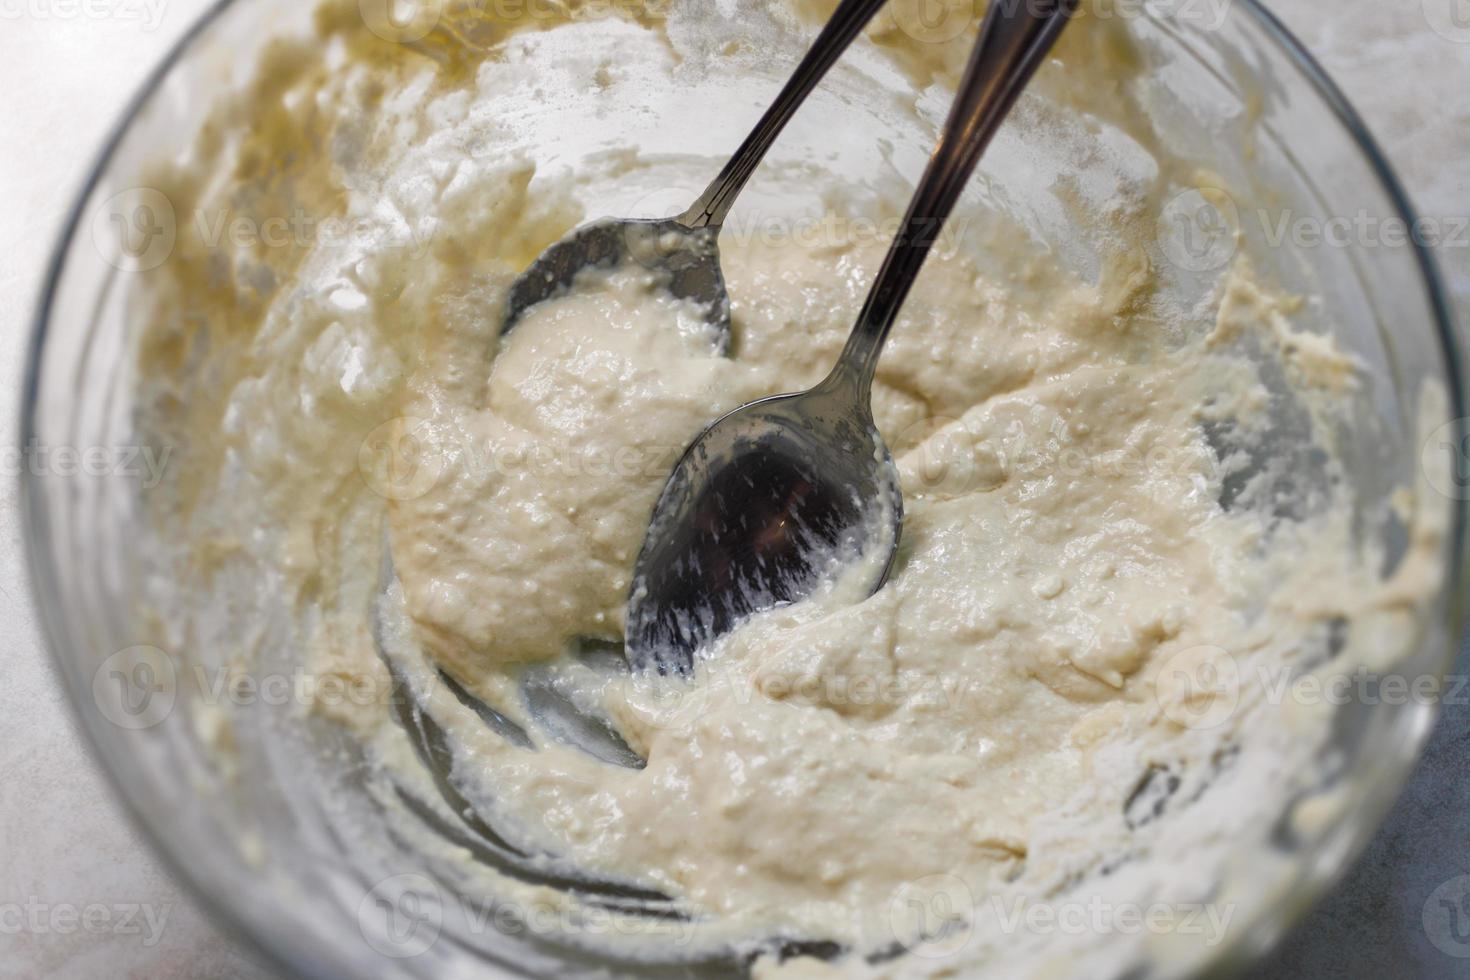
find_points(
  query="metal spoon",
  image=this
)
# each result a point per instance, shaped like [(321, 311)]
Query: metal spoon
[(774, 497), (686, 247)]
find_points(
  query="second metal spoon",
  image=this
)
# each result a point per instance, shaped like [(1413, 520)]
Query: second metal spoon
[(685, 248), (766, 503)]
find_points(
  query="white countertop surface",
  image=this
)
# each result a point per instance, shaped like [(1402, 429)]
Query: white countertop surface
[(66, 852)]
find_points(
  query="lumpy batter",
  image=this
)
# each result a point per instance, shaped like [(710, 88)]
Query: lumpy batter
[(1085, 524), (1026, 607)]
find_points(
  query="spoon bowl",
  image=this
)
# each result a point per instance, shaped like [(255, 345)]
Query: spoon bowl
[(773, 499), (686, 259), (683, 249)]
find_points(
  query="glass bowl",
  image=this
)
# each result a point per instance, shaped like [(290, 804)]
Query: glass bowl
[(277, 834)]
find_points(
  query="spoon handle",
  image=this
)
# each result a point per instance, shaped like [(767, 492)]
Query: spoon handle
[(1014, 40), (847, 22)]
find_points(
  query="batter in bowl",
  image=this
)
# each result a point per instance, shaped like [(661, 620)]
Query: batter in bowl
[(1092, 524)]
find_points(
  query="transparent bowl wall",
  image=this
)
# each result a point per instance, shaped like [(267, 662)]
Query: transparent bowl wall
[(264, 838)]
